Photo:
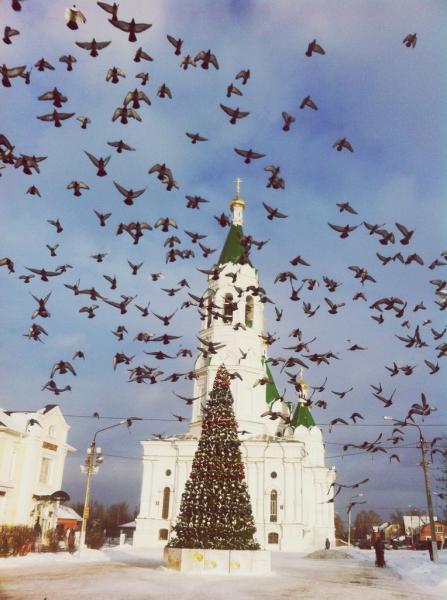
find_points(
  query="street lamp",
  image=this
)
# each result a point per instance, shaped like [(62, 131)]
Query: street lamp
[(424, 465), (91, 467), (349, 517)]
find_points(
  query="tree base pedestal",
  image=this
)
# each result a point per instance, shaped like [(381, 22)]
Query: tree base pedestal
[(234, 562)]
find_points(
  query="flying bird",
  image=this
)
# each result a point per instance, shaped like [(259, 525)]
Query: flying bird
[(93, 46), (273, 212), (100, 163), (234, 113), (131, 27), (8, 33), (177, 43), (129, 195), (288, 120), (56, 117), (248, 155), (314, 47), (343, 143), (74, 17), (307, 101), (207, 58), (244, 75), (410, 40)]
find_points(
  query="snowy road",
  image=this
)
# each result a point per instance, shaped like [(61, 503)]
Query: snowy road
[(129, 575)]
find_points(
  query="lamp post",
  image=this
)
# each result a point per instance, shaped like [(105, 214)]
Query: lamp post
[(91, 467), (424, 465), (349, 518)]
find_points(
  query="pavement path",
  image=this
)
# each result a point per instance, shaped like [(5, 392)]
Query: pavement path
[(138, 576)]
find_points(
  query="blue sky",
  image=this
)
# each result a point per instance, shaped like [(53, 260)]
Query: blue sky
[(389, 101)]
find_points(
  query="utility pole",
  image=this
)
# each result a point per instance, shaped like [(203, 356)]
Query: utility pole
[(349, 516), (424, 465), (92, 462), (434, 543), (91, 467)]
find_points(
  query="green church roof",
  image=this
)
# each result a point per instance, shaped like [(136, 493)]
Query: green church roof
[(233, 249), (302, 416), (271, 391)]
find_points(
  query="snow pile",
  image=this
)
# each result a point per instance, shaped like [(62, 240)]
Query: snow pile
[(414, 566), (329, 554), (418, 568), (44, 558)]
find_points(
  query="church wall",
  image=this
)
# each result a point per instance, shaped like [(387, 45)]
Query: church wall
[(301, 524)]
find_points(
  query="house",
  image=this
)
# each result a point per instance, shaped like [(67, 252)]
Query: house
[(289, 484), (33, 448), (67, 518), (440, 531), (413, 524)]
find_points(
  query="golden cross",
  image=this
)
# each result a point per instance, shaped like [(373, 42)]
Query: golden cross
[(238, 182)]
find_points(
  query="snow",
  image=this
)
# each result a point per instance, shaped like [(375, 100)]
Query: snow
[(136, 574), (414, 566)]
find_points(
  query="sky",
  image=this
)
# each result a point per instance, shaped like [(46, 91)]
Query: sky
[(386, 99)]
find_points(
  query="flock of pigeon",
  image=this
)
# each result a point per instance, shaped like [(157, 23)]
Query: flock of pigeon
[(302, 355)]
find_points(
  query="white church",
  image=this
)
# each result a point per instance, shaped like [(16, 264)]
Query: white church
[(284, 463)]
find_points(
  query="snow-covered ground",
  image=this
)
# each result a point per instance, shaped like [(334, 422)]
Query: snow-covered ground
[(124, 573), (414, 566)]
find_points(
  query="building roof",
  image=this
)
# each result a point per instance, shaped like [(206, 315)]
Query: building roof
[(302, 416), (271, 391), (233, 249), (130, 525), (66, 512)]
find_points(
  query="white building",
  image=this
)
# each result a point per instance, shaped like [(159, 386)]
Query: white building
[(286, 475), (33, 448)]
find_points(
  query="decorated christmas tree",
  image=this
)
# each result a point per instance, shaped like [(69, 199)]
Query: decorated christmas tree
[(216, 511)]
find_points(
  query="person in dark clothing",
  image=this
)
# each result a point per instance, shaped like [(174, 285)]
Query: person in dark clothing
[(429, 546), (327, 544), (37, 530), (71, 540), (379, 547)]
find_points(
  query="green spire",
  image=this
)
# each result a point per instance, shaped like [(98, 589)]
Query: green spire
[(271, 391), (233, 249), (302, 416)]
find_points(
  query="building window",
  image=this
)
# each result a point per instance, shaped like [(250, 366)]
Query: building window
[(163, 534), (209, 309), (273, 506), (168, 472), (12, 464), (249, 311), (165, 508), (439, 529), (51, 430), (272, 538), (273, 474), (45, 466), (228, 309)]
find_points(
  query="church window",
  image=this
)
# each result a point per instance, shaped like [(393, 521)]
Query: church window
[(228, 308), (168, 472), (165, 508), (273, 506), (249, 311), (51, 430), (209, 309), (273, 474), (272, 538), (163, 534)]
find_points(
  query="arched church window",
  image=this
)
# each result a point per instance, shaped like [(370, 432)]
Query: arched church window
[(272, 538), (163, 534), (273, 506), (249, 311), (165, 508), (209, 308), (228, 308)]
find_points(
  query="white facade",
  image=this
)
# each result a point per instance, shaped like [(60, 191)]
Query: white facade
[(286, 475), (33, 448)]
